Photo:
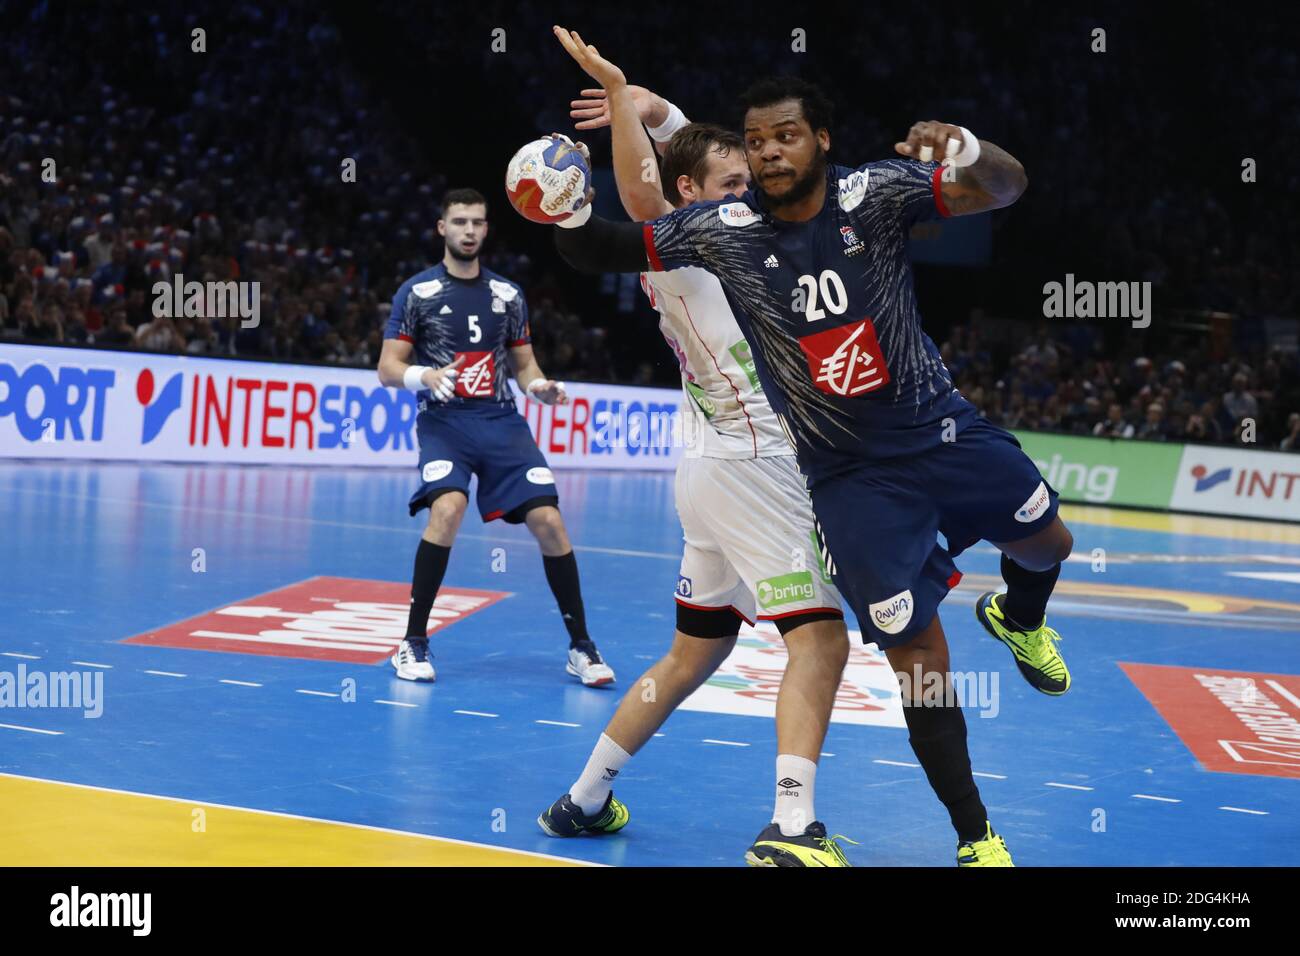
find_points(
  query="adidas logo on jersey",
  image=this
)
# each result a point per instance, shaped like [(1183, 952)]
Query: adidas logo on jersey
[(444, 310), (771, 262)]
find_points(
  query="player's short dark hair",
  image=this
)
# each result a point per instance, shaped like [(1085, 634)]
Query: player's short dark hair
[(466, 197), (688, 153), (817, 107)]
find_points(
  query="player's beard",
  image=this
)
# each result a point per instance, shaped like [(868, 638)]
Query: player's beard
[(802, 187), (454, 250)]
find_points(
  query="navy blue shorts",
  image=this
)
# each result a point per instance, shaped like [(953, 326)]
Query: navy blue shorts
[(493, 443), (880, 524)]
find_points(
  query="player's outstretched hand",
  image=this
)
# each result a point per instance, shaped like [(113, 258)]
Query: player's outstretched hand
[(548, 392), (931, 141), (442, 381), (592, 111), (588, 57)]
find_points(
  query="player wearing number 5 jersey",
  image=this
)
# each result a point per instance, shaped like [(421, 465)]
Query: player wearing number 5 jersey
[(814, 261), (456, 335)]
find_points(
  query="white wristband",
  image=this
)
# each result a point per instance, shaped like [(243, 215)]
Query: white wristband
[(579, 218), (411, 378), (665, 130), (535, 383), (967, 151)]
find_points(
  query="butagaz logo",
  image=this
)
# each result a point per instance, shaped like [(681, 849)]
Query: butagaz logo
[(683, 586), (771, 262), (477, 376), (425, 290), (892, 614), (846, 361), (788, 783), (103, 909), (1206, 479), (1036, 506), (736, 214), (208, 300), (436, 470), (786, 589), (540, 476), (853, 190), (1098, 300), (852, 245), (157, 412)]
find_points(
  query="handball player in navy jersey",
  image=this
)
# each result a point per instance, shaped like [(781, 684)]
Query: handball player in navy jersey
[(456, 335)]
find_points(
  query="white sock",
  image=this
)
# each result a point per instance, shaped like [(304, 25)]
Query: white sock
[(795, 779), (597, 778)]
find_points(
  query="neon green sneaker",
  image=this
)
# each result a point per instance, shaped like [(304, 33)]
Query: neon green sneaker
[(811, 848), (564, 818), (1035, 651), (990, 851)]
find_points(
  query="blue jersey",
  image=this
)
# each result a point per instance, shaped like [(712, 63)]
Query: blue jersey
[(829, 308), (445, 318)]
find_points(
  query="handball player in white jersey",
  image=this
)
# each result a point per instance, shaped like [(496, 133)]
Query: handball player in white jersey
[(750, 548)]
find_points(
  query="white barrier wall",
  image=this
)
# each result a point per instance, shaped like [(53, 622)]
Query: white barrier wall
[(87, 403)]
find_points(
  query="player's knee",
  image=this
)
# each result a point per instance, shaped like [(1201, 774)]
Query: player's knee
[(695, 658), (823, 641), (1065, 545), (447, 509)]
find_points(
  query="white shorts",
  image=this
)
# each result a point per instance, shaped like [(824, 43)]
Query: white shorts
[(750, 546)]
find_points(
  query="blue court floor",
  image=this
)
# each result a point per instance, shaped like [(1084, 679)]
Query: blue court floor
[(93, 553)]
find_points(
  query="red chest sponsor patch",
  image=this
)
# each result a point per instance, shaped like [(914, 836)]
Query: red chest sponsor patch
[(846, 361), (322, 619), (477, 376), (1232, 721)]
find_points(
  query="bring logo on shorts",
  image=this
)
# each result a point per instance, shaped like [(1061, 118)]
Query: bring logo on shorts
[(785, 589), (846, 361), (477, 378)]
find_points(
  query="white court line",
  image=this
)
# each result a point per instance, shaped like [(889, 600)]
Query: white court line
[(557, 723), (396, 703), (1067, 786), (165, 674), (1283, 691), (825, 754), (297, 816), (316, 693), (991, 776), (658, 735), (725, 743), (93, 664), (26, 657), (239, 683), (33, 730), (1147, 796), (896, 763), (1258, 813), (474, 713)]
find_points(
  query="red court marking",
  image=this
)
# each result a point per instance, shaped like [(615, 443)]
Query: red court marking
[(1232, 721), (351, 620)]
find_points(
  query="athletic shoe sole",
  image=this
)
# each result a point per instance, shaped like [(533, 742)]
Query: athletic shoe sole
[(598, 682)]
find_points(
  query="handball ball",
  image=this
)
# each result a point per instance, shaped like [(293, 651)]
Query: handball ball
[(547, 180)]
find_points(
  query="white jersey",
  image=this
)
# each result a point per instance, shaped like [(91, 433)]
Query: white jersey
[(725, 414)]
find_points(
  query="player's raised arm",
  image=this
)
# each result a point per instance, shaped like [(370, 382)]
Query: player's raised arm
[(982, 176), (635, 169)]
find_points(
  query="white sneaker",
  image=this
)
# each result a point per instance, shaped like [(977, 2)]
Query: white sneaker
[(586, 665), (412, 660)]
